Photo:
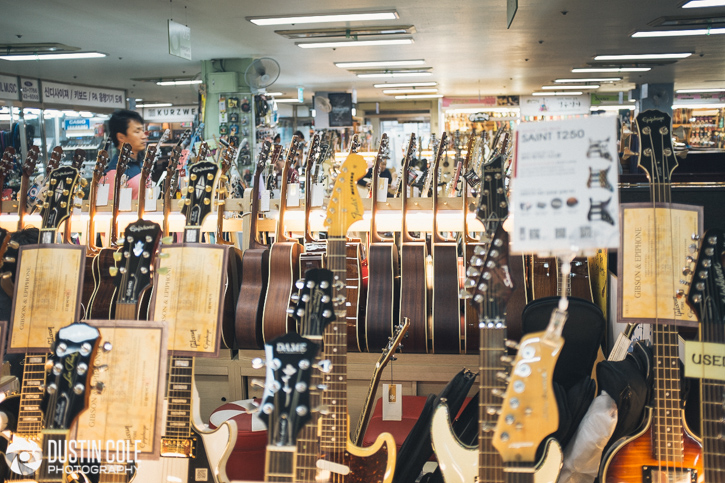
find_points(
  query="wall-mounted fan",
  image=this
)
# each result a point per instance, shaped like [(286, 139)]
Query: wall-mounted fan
[(323, 104), (261, 73)]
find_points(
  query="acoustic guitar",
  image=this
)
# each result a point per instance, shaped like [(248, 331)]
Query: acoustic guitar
[(314, 254), (171, 179), (413, 276), (284, 267), (255, 267), (382, 310)]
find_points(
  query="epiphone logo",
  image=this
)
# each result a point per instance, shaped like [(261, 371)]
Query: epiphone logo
[(653, 119), (140, 228), (203, 169), (719, 280), (291, 347)]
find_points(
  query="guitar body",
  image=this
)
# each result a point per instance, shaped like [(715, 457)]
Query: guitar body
[(627, 461), (459, 462), (102, 305), (284, 270), (414, 295), (89, 284), (382, 309), (250, 305), (231, 298), (356, 295), (372, 464), (446, 313)]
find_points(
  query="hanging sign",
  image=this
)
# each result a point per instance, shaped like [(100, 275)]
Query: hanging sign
[(565, 186), (170, 114), (555, 105), (82, 124), (9, 88), (179, 40), (29, 89), (56, 93)]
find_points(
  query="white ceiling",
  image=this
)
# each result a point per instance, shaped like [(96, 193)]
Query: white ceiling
[(465, 42)]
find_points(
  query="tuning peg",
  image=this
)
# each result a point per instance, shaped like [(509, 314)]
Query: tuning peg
[(78, 205), (472, 272), (493, 410), (117, 256), (113, 271), (338, 284), (290, 310), (257, 363), (323, 409), (257, 382), (680, 293), (63, 204), (224, 178), (507, 360), (164, 271), (511, 344), (479, 250), (497, 392), (100, 369), (325, 366), (9, 259), (13, 244), (327, 313), (167, 240), (181, 203), (464, 294), (321, 387), (686, 271), (476, 261), (84, 182), (6, 275), (695, 236), (107, 347), (692, 248), (503, 376), (98, 387), (163, 255), (295, 297)]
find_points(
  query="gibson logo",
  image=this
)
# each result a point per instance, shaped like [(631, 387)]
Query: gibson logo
[(653, 119), (291, 347)]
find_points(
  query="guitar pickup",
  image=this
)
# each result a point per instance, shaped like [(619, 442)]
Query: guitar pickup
[(177, 448), (654, 474)]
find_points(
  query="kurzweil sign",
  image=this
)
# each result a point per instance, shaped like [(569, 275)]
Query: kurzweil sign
[(170, 114)]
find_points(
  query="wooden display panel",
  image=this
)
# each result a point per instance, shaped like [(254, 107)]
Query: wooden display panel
[(654, 244), (129, 408), (48, 287), (188, 298)]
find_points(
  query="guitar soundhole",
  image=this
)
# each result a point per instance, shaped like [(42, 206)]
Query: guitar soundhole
[(654, 474)]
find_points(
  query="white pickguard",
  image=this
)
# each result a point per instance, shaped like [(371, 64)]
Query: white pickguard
[(459, 463), (218, 443)]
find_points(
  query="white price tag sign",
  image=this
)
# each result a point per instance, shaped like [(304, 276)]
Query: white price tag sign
[(565, 186), (392, 402), (293, 194), (124, 199), (102, 194), (318, 194), (152, 194), (382, 190), (264, 201)]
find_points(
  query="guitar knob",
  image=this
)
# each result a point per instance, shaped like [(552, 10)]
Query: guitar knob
[(257, 363), (79, 388), (464, 294)]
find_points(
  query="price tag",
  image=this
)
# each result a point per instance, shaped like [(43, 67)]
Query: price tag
[(152, 194), (383, 189), (264, 200), (392, 402), (293, 194), (275, 194), (318, 194), (472, 178), (77, 202), (124, 199), (102, 194), (705, 360)]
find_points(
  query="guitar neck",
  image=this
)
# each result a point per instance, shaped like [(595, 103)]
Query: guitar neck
[(491, 348), (177, 432), (280, 464), (667, 439), (53, 443), (30, 416), (364, 419)]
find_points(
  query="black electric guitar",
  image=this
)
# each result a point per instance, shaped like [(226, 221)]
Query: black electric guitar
[(31, 159), (707, 300)]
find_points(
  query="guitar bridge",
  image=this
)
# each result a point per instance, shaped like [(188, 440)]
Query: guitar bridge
[(664, 474), (177, 448)]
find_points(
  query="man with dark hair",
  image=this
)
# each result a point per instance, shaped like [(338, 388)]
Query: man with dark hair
[(127, 127)]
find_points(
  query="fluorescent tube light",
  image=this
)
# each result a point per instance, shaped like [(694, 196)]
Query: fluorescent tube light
[(681, 55), (704, 3), (690, 91), (557, 93), (715, 105), (379, 63), (353, 43), (612, 69), (678, 33), (324, 18), (467, 110), (591, 79), (58, 56), (406, 84), (274, 93), (158, 104), (611, 108), (409, 91), (288, 100), (179, 82), (591, 86), (420, 96), (396, 74)]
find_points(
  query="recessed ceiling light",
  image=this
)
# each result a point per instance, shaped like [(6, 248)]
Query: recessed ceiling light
[(689, 91), (179, 82), (704, 3), (353, 43), (379, 63), (420, 96), (592, 86), (612, 69), (395, 74), (288, 100), (59, 56), (681, 55), (409, 91), (157, 104), (678, 33), (557, 93), (324, 17), (591, 79), (406, 84)]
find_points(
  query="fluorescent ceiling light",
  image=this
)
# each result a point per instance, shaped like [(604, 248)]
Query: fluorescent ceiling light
[(323, 18), (158, 104), (179, 82), (557, 93), (612, 69), (406, 84), (681, 55), (396, 74), (353, 43), (288, 100), (420, 96), (592, 79), (379, 63), (704, 3), (611, 108), (689, 91), (274, 94), (58, 56), (466, 110), (716, 105), (553, 88), (678, 33), (409, 91)]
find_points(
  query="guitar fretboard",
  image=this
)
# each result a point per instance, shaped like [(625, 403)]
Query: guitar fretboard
[(667, 420), (491, 348), (178, 414), (280, 464), (30, 416)]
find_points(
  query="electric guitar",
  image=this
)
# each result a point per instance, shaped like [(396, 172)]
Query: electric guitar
[(707, 299), (31, 159), (349, 463), (171, 179), (314, 254)]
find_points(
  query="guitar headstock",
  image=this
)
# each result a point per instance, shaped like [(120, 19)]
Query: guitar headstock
[(263, 157), (707, 290), (148, 161), (136, 260), (100, 167), (442, 146), (345, 206), (493, 205), (285, 406), (69, 369), (409, 152), (313, 152), (79, 157), (62, 187), (6, 163), (399, 332), (31, 160), (489, 277), (124, 157), (355, 144), (203, 177), (54, 158), (656, 155), (204, 152), (314, 309)]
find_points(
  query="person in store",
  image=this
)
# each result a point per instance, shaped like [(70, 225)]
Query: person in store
[(384, 173), (126, 126)]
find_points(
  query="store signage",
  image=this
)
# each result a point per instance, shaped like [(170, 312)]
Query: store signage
[(82, 124), (29, 89), (55, 93), (179, 40), (704, 360), (170, 114), (481, 101), (9, 88), (701, 98), (555, 105), (341, 113), (610, 98), (478, 117), (564, 195)]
